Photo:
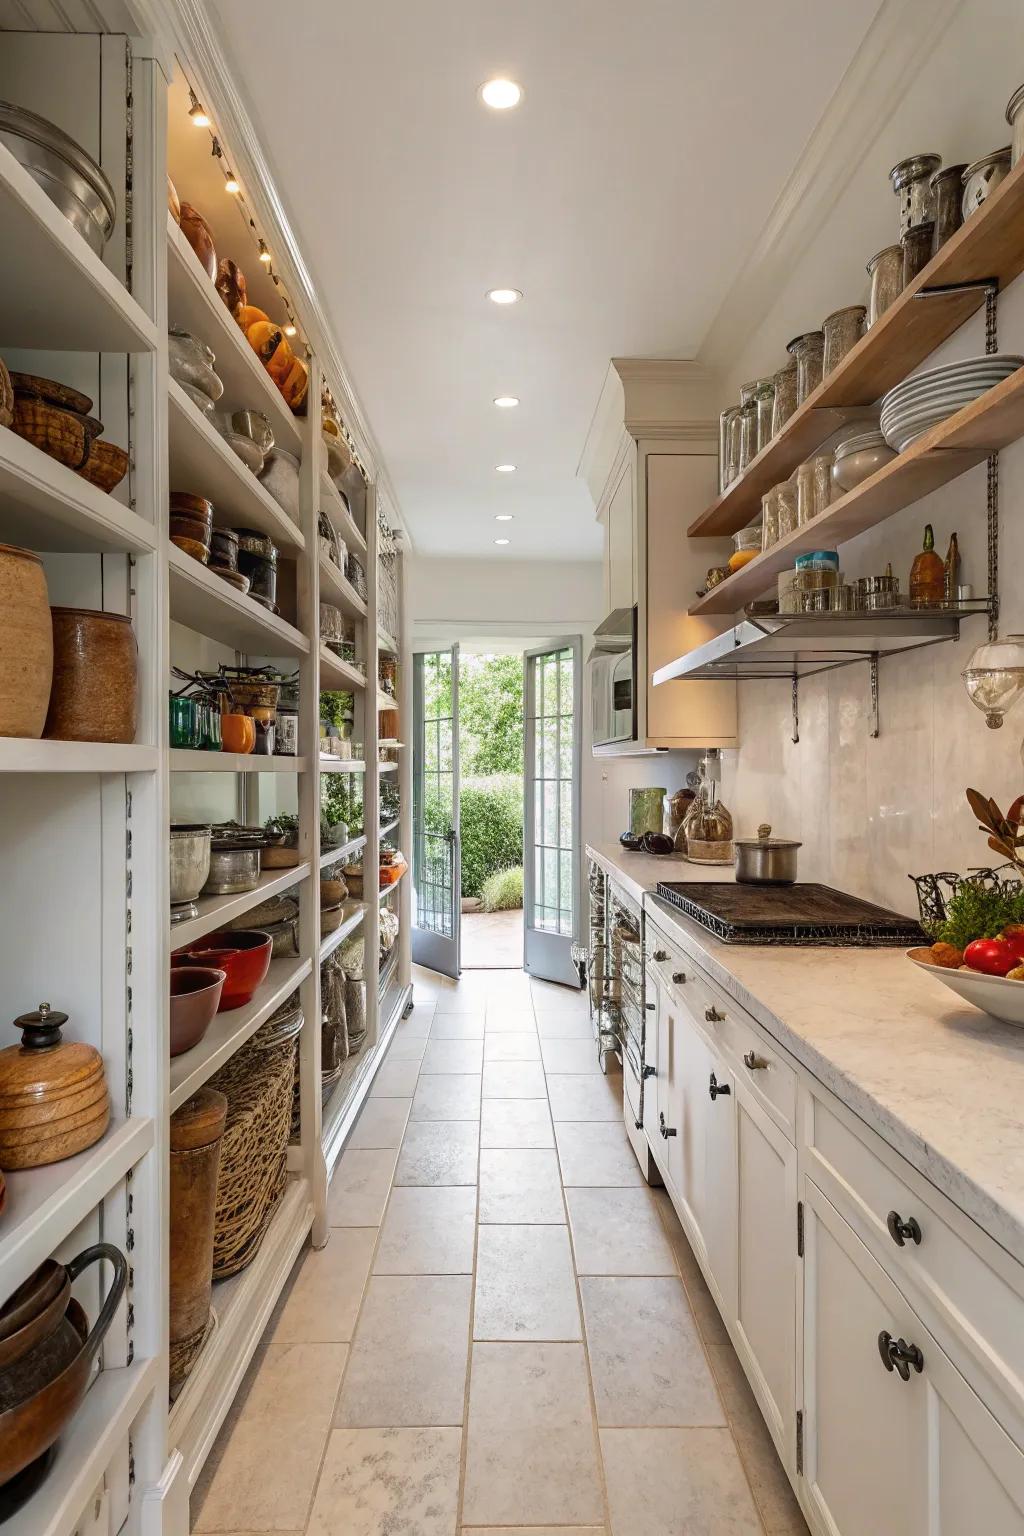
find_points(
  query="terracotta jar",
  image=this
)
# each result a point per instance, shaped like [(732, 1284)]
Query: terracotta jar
[(197, 1130), (26, 643), (6, 396), (53, 1094), (95, 677)]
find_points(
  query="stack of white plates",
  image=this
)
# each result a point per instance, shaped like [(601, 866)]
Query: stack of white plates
[(918, 404)]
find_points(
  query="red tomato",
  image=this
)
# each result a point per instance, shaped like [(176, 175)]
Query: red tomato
[(1014, 936), (993, 956)]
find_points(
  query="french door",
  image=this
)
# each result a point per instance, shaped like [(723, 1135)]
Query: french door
[(551, 851), (437, 873)]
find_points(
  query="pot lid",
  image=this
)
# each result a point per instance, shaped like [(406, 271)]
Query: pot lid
[(199, 1121), (43, 1066), (764, 839)]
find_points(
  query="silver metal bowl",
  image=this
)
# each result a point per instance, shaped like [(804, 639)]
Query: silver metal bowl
[(70, 178)]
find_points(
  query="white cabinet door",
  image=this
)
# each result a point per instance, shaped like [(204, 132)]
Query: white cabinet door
[(621, 540), (767, 1264), (717, 1096)]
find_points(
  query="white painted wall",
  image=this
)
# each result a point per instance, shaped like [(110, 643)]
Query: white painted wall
[(871, 812)]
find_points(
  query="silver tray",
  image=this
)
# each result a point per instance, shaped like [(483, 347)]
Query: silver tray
[(70, 178)]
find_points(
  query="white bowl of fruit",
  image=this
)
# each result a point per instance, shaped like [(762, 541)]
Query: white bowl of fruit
[(979, 948)]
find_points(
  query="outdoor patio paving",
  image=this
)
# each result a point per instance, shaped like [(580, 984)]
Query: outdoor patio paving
[(492, 940)]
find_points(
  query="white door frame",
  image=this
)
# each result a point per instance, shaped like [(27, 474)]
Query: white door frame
[(549, 955)]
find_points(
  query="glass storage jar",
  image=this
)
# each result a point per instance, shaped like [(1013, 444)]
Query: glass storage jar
[(726, 472), (917, 250), (786, 493), (735, 424), (804, 493), (981, 179), (748, 434), (809, 351), (817, 580), (842, 330), (1015, 118), (911, 181), (764, 394), (784, 403), (822, 467), (769, 519), (947, 185), (885, 270)]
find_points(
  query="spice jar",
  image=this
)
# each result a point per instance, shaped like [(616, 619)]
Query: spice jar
[(842, 331), (257, 559), (1015, 118), (764, 394), (748, 434), (726, 472), (886, 273), (947, 185), (809, 351), (785, 401), (911, 181), (804, 493), (917, 250)]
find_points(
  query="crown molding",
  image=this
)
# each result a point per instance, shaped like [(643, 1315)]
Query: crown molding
[(651, 399), (901, 35), (184, 29)]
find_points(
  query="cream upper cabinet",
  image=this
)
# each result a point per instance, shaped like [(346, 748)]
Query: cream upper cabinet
[(620, 539)]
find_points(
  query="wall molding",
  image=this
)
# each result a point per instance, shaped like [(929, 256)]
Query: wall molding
[(902, 33)]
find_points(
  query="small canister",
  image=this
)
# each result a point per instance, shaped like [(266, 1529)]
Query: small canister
[(257, 559), (843, 329), (917, 250), (764, 394), (769, 519), (981, 179), (809, 351), (95, 692), (1015, 118), (785, 402), (911, 182), (885, 270), (724, 429), (286, 737), (748, 434), (805, 508), (947, 185)]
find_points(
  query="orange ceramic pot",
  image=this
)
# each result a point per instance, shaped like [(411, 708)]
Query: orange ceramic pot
[(237, 733)]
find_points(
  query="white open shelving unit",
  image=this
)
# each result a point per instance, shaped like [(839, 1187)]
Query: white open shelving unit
[(97, 941)]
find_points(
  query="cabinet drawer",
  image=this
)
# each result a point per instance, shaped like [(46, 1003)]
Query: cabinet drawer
[(750, 1053), (969, 1291)]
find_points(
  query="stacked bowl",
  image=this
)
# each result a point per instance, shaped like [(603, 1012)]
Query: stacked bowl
[(920, 403)]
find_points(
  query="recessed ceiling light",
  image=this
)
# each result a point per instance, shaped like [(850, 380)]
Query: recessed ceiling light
[(504, 295), (505, 469), (502, 541), (506, 402), (503, 517), (501, 94)]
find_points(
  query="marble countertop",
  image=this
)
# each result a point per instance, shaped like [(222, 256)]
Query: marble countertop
[(639, 873), (940, 1081)]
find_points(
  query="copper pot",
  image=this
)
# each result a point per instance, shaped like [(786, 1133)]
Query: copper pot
[(26, 643), (95, 677)]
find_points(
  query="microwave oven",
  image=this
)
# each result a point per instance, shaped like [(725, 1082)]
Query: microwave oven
[(613, 682)]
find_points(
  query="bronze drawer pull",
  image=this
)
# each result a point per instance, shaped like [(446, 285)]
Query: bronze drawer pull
[(755, 1063), (902, 1231), (897, 1355)]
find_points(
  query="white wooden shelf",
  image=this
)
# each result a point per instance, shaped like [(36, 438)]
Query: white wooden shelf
[(338, 674), (330, 943), (387, 767), (55, 293), (243, 1305), (85, 1449), (44, 1205), (348, 1095), (19, 754), (205, 603), (194, 304), (184, 760), (389, 826), (332, 855), (336, 588), (229, 1031), (46, 506), (386, 701), (215, 911), (386, 643), (389, 890), (342, 765), (341, 518), (202, 464)]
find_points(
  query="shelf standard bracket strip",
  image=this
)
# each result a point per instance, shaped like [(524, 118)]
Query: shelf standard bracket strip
[(796, 707), (874, 696), (988, 285), (992, 482)]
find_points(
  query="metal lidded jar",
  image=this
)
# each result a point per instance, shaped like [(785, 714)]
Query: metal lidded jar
[(809, 351), (842, 329), (917, 250), (885, 270), (947, 185), (981, 179), (766, 860), (1015, 118), (911, 181)]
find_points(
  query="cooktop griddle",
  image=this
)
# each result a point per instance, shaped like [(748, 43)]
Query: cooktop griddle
[(789, 914)]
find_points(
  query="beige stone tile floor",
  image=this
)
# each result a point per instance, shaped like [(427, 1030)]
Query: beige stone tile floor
[(507, 1333)]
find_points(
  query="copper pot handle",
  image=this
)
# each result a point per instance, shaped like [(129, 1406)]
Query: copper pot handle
[(113, 1297)]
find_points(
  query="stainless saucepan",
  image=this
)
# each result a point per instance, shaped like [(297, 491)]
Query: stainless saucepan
[(765, 860)]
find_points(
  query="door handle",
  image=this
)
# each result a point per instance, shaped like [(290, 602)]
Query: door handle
[(754, 1063), (897, 1355), (715, 1088), (712, 1015), (666, 1130)]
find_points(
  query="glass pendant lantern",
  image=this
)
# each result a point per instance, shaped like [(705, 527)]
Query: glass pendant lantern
[(994, 677)]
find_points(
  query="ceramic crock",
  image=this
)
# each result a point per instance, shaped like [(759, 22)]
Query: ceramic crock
[(95, 677), (26, 643)]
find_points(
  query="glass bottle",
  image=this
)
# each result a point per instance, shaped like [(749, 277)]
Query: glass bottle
[(785, 401), (927, 575), (764, 394), (951, 570), (809, 351)]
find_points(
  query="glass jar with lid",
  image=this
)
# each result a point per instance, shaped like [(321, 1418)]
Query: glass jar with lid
[(726, 472), (786, 499), (809, 351), (748, 434), (817, 580), (916, 245), (764, 394), (784, 403), (885, 270), (805, 508), (821, 464), (735, 425), (912, 183), (842, 329), (769, 518)]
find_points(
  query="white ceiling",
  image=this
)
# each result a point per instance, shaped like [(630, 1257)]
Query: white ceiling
[(621, 196)]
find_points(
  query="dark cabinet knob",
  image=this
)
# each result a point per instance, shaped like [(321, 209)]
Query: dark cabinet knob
[(897, 1355), (715, 1087), (713, 1016), (649, 1072), (902, 1231), (754, 1063), (666, 1130), (649, 1007), (660, 954), (679, 977)]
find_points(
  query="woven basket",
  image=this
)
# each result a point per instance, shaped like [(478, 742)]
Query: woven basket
[(254, 1153), (62, 434), (106, 465)]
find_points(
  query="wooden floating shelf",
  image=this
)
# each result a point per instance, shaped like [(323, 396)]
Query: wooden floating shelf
[(55, 293), (201, 463), (229, 1031), (212, 607), (341, 518), (45, 1205), (990, 245), (194, 304), (336, 588), (46, 506), (183, 760), (335, 673), (332, 855), (23, 755), (351, 922), (991, 422), (214, 911)]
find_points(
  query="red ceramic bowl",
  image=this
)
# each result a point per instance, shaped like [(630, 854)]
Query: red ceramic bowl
[(247, 967), (195, 998)]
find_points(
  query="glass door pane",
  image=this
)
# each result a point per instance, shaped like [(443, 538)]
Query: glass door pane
[(436, 865), (552, 863)]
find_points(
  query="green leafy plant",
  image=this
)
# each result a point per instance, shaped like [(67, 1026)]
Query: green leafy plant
[(491, 714), (980, 912), (334, 707), (502, 891), (491, 812)]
